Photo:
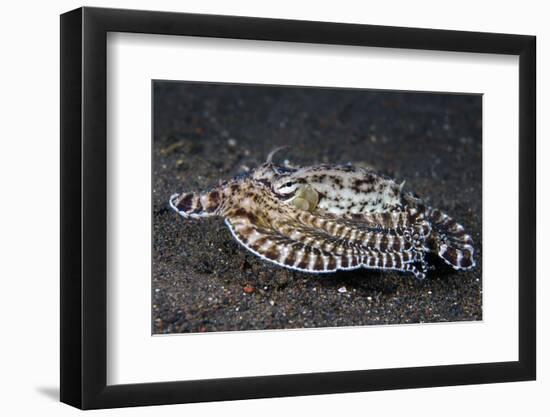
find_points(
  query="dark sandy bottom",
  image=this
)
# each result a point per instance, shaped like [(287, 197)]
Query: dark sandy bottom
[(203, 280)]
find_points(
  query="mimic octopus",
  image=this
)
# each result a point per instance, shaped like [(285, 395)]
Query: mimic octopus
[(325, 218)]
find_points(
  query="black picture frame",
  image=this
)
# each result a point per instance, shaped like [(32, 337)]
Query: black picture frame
[(84, 207)]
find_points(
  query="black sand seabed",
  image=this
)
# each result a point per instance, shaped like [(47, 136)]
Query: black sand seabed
[(204, 281)]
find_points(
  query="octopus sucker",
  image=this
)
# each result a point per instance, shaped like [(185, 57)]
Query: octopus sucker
[(325, 218)]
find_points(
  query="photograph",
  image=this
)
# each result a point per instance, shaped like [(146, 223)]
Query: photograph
[(263, 206), (294, 207)]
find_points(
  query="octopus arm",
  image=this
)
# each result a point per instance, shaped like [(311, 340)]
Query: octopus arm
[(450, 241), (289, 243)]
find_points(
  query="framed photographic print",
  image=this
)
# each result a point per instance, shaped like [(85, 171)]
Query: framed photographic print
[(257, 207)]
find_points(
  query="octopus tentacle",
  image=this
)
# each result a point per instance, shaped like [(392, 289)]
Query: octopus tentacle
[(298, 256), (450, 241), (355, 233), (293, 251)]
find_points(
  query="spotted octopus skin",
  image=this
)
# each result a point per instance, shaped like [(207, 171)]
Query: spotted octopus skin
[(325, 218)]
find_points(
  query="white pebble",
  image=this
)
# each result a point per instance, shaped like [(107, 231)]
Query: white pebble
[(342, 290)]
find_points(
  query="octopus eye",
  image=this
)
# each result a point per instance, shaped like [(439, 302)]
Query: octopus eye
[(286, 188)]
